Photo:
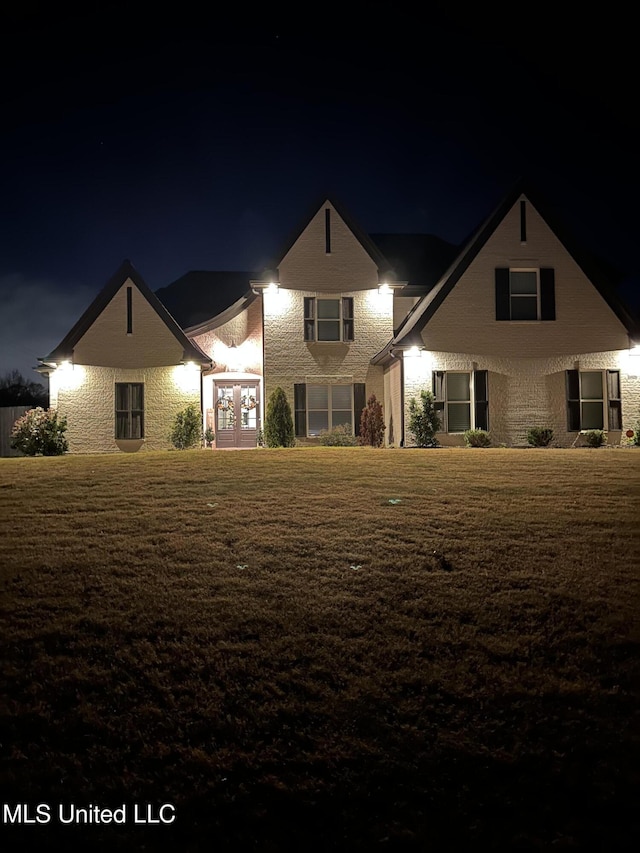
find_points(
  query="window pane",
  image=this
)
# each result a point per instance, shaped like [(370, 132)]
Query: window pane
[(318, 421), (122, 425), (591, 382), (592, 417), (338, 418), (524, 308), (524, 282), (328, 309), (136, 396), (136, 425), (341, 397), (318, 396), (459, 417), (458, 386), (122, 397), (328, 330)]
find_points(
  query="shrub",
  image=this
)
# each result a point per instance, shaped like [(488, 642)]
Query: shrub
[(595, 437), (187, 428), (209, 437), (278, 424), (540, 436), (424, 421), (477, 438), (340, 436), (372, 423), (39, 433)]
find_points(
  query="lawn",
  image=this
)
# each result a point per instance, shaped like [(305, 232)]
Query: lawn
[(324, 649)]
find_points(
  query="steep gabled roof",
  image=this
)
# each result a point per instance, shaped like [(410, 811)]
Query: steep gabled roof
[(409, 332), (65, 348), (199, 295), (363, 238)]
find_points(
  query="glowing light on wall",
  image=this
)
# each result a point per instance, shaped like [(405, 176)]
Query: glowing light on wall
[(187, 376), (66, 377), (418, 364)]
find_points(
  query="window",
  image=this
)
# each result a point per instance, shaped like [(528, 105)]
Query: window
[(593, 400), (525, 294), (328, 319), (461, 399), (129, 410), (320, 408)]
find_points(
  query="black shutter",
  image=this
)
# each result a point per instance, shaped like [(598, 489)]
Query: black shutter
[(573, 400), (309, 318), (547, 293), (480, 387), (347, 318), (503, 303), (437, 380), (359, 403), (300, 406), (613, 399)]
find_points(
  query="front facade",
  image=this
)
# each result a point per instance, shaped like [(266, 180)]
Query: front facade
[(516, 332)]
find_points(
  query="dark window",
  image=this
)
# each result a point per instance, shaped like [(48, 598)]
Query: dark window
[(593, 400), (129, 410), (328, 319), (525, 294), (461, 399)]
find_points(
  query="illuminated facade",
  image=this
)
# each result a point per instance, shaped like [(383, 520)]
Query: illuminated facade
[(512, 331)]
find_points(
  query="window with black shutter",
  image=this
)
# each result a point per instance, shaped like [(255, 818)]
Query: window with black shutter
[(525, 294)]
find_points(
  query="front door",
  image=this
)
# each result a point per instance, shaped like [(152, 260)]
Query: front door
[(237, 414)]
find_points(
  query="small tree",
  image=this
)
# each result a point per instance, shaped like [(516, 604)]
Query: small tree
[(372, 423), (187, 428), (278, 424), (39, 433), (424, 421)]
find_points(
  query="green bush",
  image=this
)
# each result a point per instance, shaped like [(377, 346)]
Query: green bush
[(424, 421), (39, 433), (209, 437), (372, 423), (595, 437), (477, 438), (340, 436), (540, 436), (187, 428), (278, 424)]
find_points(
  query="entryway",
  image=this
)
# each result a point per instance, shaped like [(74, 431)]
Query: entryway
[(237, 414)]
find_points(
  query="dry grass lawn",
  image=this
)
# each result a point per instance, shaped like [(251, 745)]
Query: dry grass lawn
[(325, 649)]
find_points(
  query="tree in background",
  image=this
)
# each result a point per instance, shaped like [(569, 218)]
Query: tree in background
[(278, 424), (372, 423), (15, 390)]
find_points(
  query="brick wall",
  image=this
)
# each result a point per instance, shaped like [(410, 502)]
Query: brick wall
[(526, 392)]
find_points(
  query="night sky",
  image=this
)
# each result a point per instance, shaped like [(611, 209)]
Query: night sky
[(197, 143)]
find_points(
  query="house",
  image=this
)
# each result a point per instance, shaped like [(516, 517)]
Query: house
[(516, 329)]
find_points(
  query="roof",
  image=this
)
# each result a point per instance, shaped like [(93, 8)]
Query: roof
[(419, 259), (224, 316), (125, 271), (199, 295), (409, 332)]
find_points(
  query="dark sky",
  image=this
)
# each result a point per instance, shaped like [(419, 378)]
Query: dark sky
[(195, 142)]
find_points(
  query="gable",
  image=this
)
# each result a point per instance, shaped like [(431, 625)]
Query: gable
[(331, 255), (464, 305), (126, 326)]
